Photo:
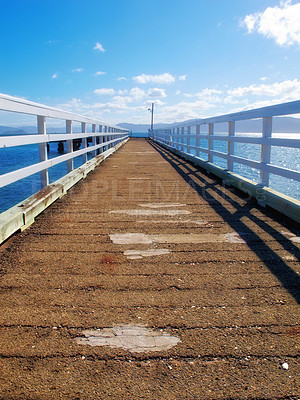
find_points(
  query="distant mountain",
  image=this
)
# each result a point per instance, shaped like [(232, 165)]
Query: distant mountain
[(286, 124), (280, 125), (140, 127), (26, 130), (12, 131)]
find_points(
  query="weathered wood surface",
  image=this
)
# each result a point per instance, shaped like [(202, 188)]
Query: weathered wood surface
[(225, 280)]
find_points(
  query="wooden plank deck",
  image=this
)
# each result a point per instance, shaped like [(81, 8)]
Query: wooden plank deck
[(148, 239)]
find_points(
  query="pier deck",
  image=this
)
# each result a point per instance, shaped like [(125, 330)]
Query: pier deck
[(149, 239)]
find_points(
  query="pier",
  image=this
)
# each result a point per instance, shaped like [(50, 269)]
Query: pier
[(153, 277)]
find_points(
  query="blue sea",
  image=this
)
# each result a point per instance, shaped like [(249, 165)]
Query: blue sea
[(22, 156)]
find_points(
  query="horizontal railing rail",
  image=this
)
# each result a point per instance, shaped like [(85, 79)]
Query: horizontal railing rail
[(102, 137), (187, 139), (179, 137)]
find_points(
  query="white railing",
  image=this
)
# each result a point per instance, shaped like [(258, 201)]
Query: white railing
[(185, 138), (102, 135), (179, 137)]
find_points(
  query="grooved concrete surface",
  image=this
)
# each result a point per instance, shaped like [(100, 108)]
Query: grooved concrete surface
[(223, 277)]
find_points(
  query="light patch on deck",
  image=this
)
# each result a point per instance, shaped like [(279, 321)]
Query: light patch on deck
[(145, 212), (171, 221), (137, 179), (135, 338), (141, 152), (161, 205), (130, 238), (234, 237), (291, 236), (142, 238), (147, 163), (138, 254)]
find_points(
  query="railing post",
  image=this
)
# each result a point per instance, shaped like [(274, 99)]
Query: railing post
[(94, 138), (188, 140), (70, 163), (100, 139), (265, 150), (182, 139), (105, 138), (173, 137), (84, 141), (230, 146), (44, 175), (197, 140), (108, 137), (210, 142), (177, 138)]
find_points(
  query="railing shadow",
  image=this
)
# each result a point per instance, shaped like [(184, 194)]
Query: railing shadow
[(289, 279)]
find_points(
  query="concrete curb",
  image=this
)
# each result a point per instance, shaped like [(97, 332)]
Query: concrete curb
[(264, 195), (22, 215)]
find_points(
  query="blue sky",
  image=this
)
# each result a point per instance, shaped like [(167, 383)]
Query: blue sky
[(111, 59)]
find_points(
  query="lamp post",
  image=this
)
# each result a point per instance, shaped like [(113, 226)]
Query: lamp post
[(151, 110)]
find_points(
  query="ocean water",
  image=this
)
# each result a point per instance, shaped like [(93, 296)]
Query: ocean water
[(22, 156), (284, 157)]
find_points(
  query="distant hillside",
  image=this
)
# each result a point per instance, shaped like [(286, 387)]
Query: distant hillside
[(25, 130), (11, 131), (140, 127), (280, 124), (286, 124)]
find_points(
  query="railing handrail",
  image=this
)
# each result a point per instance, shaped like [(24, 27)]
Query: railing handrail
[(106, 137), (15, 104), (178, 137), (21, 140)]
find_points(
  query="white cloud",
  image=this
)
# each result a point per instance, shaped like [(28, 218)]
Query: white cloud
[(120, 102), (105, 91), (161, 79), (182, 77), (280, 23), (54, 76), (156, 102), (131, 104), (137, 93), (98, 46), (250, 21), (121, 78), (99, 73), (209, 95), (183, 111), (156, 93), (74, 105), (286, 91), (77, 70)]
